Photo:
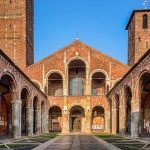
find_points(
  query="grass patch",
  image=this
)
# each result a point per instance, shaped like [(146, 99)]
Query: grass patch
[(131, 145), (24, 141), (106, 135), (124, 147), (18, 145), (43, 138), (2, 146), (112, 140), (39, 140)]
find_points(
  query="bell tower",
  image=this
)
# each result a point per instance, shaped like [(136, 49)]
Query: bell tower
[(16, 31), (138, 35)]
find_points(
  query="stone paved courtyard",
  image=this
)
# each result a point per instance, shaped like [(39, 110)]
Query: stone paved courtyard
[(76, 142)]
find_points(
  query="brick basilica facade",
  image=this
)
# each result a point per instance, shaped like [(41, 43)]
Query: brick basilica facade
[(75, 89)]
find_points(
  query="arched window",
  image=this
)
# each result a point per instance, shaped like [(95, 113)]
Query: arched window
[(77, 75), (145, 21), (55, 85), (98, 83)]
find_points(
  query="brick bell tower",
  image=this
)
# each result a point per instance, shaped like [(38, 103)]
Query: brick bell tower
[(138, 35), (16, 31)]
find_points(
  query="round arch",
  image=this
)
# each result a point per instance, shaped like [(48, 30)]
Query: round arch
[(98, 82), (8, 94), (99, 70), (36, 107), (55, 118), (128, 99), (14, 83), (76, 104), (144, 93), (98, 118), (25, 102), (77, 76), (76, 118), (55, 80), (54, 71), (77, 58)]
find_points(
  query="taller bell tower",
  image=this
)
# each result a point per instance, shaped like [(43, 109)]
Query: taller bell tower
[(138, 35), (16, 30)]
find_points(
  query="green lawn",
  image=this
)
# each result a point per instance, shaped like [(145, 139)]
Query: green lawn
[(121, 142), (33, 141)]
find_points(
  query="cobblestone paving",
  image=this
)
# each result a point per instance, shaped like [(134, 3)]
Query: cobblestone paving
[(76, 142)]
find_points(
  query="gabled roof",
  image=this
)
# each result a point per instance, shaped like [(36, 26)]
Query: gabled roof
[(133, 12), (79, 43)]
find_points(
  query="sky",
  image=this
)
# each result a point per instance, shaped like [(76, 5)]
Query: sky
[(100, 24)]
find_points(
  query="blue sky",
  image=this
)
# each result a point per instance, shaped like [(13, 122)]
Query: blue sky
[(100, 24)]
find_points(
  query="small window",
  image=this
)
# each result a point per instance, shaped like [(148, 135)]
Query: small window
[(145, 21)]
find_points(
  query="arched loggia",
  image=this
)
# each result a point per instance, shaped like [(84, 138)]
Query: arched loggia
[(98, 121), (7, 95), (145, 103), (76, 119), (35, 114), (128, 98), (76, 77), (55, 118), (25, 100)]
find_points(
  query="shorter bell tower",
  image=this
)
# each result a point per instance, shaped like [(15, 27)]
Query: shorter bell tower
[(138, 35)]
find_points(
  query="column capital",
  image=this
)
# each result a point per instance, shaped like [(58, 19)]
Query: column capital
[(29, 107), (17, 101)]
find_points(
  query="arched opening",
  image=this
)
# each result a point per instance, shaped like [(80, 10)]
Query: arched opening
[(7, 87), (55, 118), (55, 85), (98, 83), (145, 104), (35, 114), (128, 98), (145, 21), (76, 119), (24, 100), (76, 77), (117, 112), (42, 115), (98, 121)]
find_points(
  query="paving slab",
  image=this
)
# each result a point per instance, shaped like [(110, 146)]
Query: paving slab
[(73, 142)]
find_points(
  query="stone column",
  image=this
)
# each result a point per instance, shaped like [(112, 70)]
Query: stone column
[(87, 86), (113, 116), (16, 118), (65, 117), (65, 128), (29, 121), (107, 121), (135, 119), (38, 121), (88, 123), (45, 122), (122, 115)]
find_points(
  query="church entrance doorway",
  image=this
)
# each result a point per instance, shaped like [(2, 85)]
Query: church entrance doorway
[(76, 119)]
